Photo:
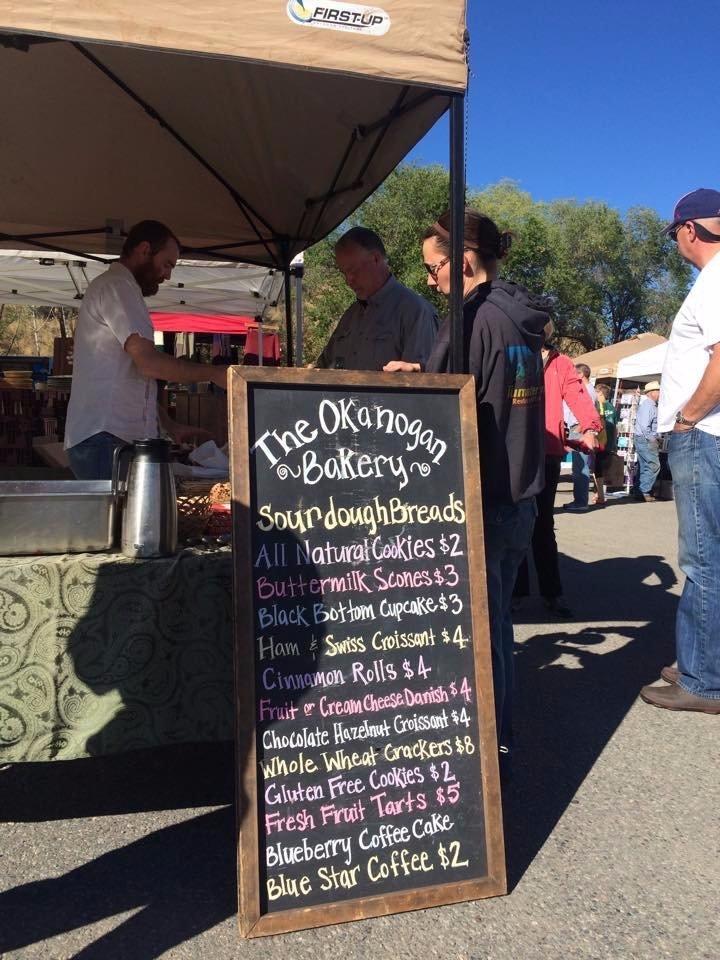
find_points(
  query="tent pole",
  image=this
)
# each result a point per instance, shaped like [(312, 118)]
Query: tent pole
[(457, 224), (299, 270), (288, 318)]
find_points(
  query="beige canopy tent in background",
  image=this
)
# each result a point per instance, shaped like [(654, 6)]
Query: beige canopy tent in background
[(253, 129), (604, 362)]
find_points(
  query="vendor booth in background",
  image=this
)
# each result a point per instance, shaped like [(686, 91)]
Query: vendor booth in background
[(604, 362), (202, 298), (239, 340), (214, 338), (626, 367), (633, 373)]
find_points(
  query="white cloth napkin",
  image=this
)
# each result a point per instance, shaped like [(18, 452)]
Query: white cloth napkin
[(210, 455), (208, 462)]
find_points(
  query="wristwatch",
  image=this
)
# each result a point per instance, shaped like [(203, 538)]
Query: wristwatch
[(679, 418)]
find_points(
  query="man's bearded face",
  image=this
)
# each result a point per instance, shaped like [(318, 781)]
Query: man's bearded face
[(156, 268)]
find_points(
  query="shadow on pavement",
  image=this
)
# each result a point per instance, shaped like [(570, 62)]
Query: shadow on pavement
[(574, 687), (167, 778), (182, 879)]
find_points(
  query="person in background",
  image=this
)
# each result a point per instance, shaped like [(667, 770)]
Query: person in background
[(690, 413), (116, 365), (581, 459), (645, 439), (563, 386), (387, 321), (602, 456), (503, 336)]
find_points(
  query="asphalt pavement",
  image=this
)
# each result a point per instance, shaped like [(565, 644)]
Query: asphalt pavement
[(612, 818)]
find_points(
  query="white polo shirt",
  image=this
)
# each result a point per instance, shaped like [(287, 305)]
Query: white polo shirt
[(695, 331), (108, 392)]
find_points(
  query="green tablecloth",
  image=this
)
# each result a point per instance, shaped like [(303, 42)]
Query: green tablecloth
[(100, 654)]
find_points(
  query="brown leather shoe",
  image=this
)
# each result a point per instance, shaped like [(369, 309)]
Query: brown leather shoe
[(670, 674), (674, 697)]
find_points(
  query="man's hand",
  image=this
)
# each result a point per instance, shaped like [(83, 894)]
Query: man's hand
[(401, 366), (682, 428), (589, 439), (155, 365)]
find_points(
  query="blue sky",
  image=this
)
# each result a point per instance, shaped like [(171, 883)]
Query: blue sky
[(608, 101)]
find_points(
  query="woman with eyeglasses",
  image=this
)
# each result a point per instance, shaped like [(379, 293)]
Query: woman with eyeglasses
[(503, 337)]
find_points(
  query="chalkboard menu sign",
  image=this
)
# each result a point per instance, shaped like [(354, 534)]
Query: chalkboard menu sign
[(367, 758)]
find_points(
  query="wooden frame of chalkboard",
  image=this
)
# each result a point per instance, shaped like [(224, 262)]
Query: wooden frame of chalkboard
[(251, 389)]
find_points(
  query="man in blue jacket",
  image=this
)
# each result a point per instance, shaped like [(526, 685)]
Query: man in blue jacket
[(646, 444)]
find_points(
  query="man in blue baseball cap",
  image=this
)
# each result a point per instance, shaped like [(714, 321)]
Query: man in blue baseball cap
[(689, 410), (702, 204)]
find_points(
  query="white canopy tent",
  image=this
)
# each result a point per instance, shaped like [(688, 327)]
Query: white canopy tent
[(61, 279), (643, 366)]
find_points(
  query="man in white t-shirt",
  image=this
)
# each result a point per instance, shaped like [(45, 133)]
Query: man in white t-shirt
[(116, 365), (689, 410)]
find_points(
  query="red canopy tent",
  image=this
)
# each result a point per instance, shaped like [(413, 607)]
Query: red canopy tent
[(201, 323), (220, 323)]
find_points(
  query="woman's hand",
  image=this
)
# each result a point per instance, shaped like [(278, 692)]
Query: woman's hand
[(401, 366)]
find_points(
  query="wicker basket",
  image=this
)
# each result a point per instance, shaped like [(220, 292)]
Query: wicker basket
[(194, 507)]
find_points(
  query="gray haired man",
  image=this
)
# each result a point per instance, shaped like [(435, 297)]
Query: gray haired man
[(387, 321)]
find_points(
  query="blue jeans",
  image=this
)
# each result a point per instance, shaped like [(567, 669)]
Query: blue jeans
[(580, 474), (694, 459), (648, 465), (92, 459), (508, 532)]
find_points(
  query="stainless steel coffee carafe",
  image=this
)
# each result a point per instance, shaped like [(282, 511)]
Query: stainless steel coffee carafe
[(149, 515)]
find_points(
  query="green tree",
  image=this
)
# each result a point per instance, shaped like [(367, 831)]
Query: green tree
[(630, 278), (606, 277), (325, 295), (410, 200)]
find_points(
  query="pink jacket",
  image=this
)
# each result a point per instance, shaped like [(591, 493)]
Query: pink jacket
[(563, 382)]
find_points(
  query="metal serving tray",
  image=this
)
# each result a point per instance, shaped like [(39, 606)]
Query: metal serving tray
[(56, 516)]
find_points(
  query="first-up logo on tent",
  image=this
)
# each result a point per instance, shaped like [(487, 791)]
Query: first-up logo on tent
[(339, 16)]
